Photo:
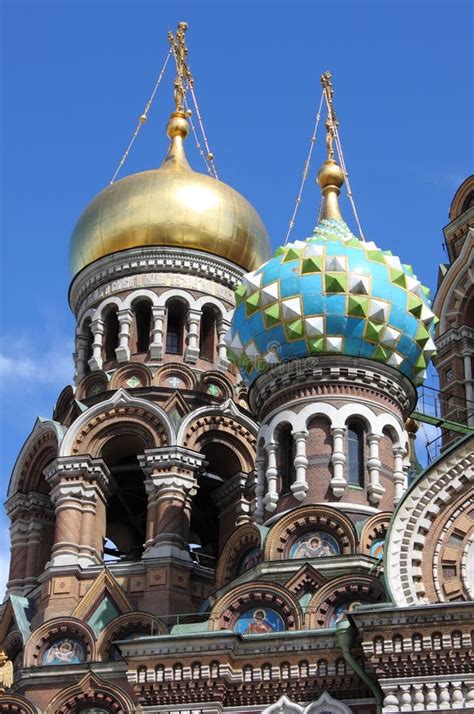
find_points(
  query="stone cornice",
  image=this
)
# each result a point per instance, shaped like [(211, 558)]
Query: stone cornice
[(285, 380), (152, 260), (171, 457)]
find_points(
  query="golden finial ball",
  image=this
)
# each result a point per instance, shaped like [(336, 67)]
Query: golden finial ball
[(143, 118), (177, 125), (330, 174)]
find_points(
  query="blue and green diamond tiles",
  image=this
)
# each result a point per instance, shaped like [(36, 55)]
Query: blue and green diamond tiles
[(332, 294)]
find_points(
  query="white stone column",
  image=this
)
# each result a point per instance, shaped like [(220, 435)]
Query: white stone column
[(398, 473), (374, 488), (300, 486), (431, 696), (338, 459), (80, 357), (222, 329), (260, 486), (122, 352), (469, 385), (156, 347), (95, 362), (271, 497), (194, 324)]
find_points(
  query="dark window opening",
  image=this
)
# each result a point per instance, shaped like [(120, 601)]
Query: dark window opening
[(355, 437), (127, 504), (208, 334), (222, 464), (286, 458), (111, 336), (175, 328), (142, 310)]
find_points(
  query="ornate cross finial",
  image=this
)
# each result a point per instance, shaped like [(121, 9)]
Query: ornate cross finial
[(180, 51), (331, 121)]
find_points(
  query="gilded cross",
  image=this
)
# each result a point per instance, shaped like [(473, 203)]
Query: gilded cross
[(331, 121), (180, 51)]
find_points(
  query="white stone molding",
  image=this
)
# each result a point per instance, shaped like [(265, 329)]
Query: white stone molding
[(177, 294), (283, 706), (129, 301), (227, 408), (125, 317), (300, 486), (98, 329), (157, 333), (325, 704), (193, 318), (222, 328), (119, 398), (80, 357), (448, 299), (338, 459), (375, 489), (260, 485), (224, 314), (40, 429), (430, 693), (337, 418), (271, 474), (151, 267), (431, 492), (399, 476)]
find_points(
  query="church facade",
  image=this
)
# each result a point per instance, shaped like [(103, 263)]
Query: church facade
[(222, 514)]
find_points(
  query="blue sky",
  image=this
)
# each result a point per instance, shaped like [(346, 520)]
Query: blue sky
[(76, 75)]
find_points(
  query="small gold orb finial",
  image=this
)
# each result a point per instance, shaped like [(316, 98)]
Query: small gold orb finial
[(330, 174), (177, 125)]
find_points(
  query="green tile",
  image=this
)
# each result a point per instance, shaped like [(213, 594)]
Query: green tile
[(398, 277), (295, 329), (252, 303), (381, 353), (373, 331), (291, 254), (271, 314), (375, 255), (336, 282), (422, 335), (312, 264), (358, 306), (316, 345), (240, 293)]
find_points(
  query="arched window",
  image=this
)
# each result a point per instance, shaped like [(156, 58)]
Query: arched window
[(248, 673), (286, 458), (111, 333), (355, 453), (160, 673), (266, 671), (285, 670), (126, 513), (207, 343), (142, 311), (175, 328)]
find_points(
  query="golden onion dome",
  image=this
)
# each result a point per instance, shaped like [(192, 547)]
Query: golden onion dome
[(170, 206)]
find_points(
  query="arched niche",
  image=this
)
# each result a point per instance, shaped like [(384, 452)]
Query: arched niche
[(245, 600), (339, 596), (124, 627), (305, 521), (244, 541)]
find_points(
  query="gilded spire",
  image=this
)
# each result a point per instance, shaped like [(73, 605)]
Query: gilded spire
[(330, 175), (178, 127)]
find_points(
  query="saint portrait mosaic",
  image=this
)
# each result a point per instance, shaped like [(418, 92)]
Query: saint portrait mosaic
[(259, 621), (315, 544)]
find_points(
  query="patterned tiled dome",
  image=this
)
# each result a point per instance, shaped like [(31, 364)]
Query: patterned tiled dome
[(332, 294)]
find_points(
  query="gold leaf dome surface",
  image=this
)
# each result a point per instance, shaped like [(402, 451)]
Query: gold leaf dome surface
[(170, 206)]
